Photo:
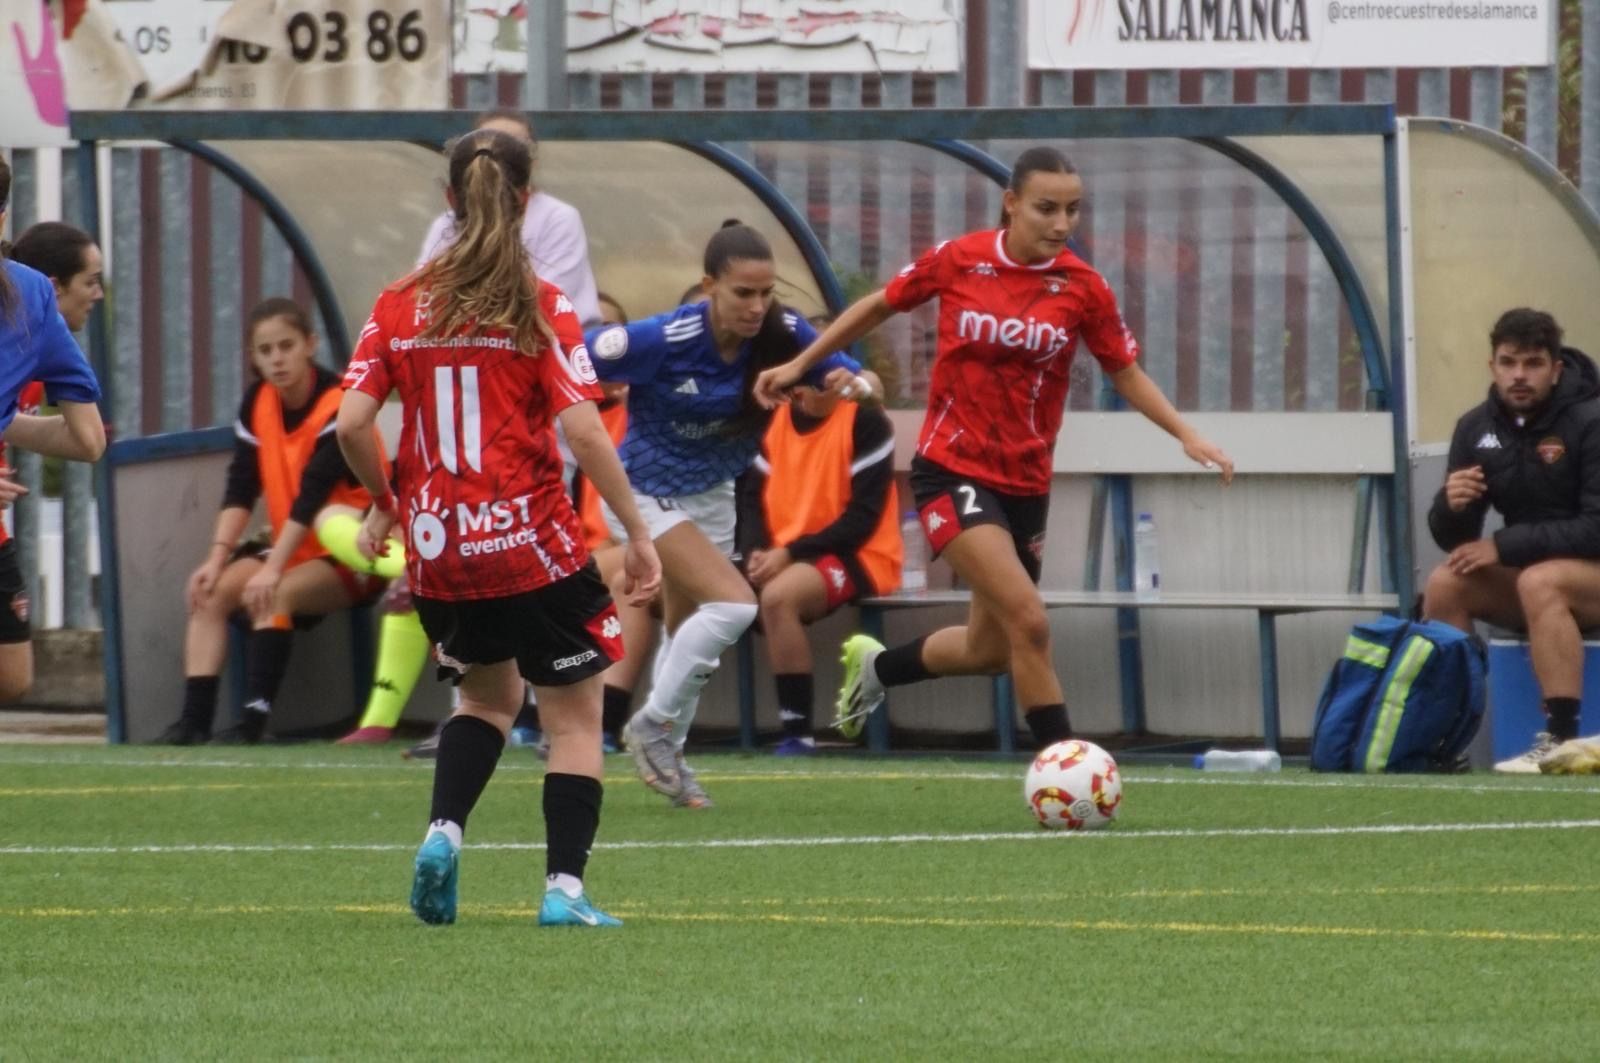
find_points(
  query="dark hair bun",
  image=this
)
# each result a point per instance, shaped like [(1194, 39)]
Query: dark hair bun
[(730, 223)]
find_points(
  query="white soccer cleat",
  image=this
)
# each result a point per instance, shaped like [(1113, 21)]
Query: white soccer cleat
[(1528, 763)]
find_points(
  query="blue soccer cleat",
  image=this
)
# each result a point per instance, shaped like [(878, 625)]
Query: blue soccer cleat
[(433, 889), (560, 910)]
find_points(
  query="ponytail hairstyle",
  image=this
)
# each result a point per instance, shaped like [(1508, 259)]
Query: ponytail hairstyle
[(9, 300), (1039, 159), (54, 248), (774, 344), (484, 280)]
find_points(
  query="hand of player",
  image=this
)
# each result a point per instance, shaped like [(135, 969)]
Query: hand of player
[(1470, 557), (1464, 487), (201, 583), (641, 570), (765, 564), (261, 592), (847, 385), (373, 539), (10, 490), (772, 386), (1210, 455)]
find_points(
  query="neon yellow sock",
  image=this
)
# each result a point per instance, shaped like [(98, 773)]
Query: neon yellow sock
[(402, 651), (337, 534)]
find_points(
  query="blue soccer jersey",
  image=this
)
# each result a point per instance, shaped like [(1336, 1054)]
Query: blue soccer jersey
[(36, 345), (682, 395)]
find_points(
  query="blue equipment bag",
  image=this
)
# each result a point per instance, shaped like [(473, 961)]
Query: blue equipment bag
[(1407, 696)]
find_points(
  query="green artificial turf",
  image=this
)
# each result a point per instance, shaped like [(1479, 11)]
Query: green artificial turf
[(210, 903)]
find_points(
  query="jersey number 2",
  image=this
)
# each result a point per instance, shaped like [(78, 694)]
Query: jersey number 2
[(444, 405)]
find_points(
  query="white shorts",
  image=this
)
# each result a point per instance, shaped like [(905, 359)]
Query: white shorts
[(712, 511)]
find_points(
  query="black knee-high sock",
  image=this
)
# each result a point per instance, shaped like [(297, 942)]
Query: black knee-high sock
[(796, 695), (1048, 723), (614, 708), (200, 700), (571, 818), (469, 749), (266, 661), (902, 664), (1563, 716)]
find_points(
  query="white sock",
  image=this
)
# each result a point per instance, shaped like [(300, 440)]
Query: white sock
[(571, 885), (695, 652), (448, 828)]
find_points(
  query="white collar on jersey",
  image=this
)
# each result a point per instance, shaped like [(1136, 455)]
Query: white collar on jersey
[(1000, 253)]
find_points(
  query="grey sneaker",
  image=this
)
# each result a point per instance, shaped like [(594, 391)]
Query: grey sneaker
[(691, 794), (655, 754), (1528, 763)]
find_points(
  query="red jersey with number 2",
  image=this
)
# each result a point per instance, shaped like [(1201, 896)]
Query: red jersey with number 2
[(1007, 336), (478, 473)]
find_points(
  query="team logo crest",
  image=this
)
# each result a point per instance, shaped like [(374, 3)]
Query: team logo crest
[(1551, 449), (583, 366)]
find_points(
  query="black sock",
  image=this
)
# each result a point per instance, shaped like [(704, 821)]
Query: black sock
[(200, 701), (902, 664), (571, 818), (469, 749), (1563, 714), (614, 706), (266, 660), (1048, 723), (529, 716), (796, 693)]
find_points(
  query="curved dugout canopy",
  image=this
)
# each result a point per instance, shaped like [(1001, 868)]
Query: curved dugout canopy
[(1269, 257)]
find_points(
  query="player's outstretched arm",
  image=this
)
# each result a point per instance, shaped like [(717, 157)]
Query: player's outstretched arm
[(591, 445), (76, 433), (1134, 385), (358, 414), (860, 318)]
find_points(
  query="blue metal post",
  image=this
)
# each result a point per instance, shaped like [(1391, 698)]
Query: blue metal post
[(1397, 501), (1266, 626)]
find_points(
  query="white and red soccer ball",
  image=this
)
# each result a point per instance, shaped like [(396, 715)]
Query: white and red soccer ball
[(1073, 785)]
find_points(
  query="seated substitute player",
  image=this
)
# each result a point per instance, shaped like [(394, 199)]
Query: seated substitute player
[(284, 450), (485, 357), (692, 427), (818, 528), (1532, 451), (68, 257), (1012, 304)]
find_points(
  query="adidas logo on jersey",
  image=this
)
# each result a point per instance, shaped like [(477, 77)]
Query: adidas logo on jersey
[(1490, 441), (688, 387)]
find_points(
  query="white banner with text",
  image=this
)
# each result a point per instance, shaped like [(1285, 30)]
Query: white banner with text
[(1228, 34)]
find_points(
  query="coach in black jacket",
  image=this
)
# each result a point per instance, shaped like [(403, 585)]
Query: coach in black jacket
[(1532, 451)]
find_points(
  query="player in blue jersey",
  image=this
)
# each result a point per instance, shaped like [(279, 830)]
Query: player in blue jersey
[(36, 345), (692, 427)]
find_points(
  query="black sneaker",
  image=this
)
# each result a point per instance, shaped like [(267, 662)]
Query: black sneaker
[(249, 731), (184, 733)]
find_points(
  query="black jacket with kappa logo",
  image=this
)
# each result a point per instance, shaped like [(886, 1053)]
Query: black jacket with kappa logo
[(1543, 476)]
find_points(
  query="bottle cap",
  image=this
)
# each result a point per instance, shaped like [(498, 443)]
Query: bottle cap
[(1146, 516), (910, 514)]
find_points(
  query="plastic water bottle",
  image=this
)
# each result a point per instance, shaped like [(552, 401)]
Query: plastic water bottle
[(1239, 760), (914, 570), (1146, 559)]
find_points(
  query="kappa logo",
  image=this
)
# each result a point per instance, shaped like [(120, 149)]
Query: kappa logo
[(561, 664), (1489, 441), (612, 628), (836, 575), (935, 522), (688, 387), (983, 269)]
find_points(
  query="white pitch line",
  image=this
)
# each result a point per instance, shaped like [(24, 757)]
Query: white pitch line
[(1143, 776), (806, 843)]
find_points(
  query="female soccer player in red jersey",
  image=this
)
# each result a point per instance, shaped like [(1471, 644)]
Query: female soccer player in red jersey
[(284, 453), (1013, 303), (485, 357)]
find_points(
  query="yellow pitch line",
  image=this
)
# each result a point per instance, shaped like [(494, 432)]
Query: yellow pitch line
[(909, 922)]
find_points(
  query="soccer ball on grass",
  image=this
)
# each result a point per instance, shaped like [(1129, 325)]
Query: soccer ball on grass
[(1073, 785)]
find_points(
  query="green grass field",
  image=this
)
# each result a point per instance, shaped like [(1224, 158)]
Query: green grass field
[(253, 904)]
